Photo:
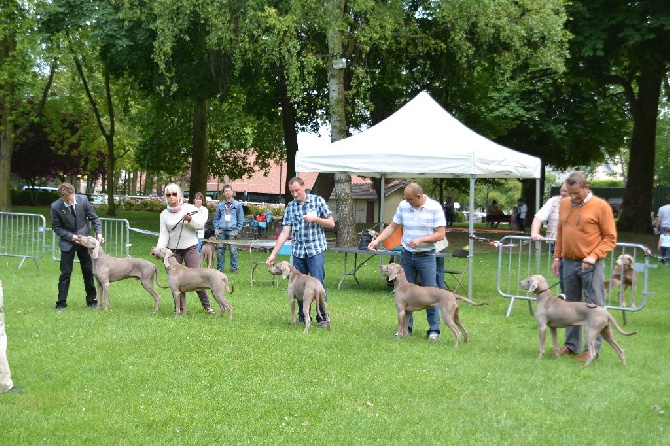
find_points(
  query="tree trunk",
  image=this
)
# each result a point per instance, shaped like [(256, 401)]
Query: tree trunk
[(290, 135), (199, 170), (7, 47), (6, 150), (636, 212), (346, 231)]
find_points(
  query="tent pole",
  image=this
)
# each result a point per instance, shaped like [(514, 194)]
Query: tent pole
[(471, 242), (382, 192)]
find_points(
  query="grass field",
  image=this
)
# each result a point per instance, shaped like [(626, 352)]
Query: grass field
[(128, 376)]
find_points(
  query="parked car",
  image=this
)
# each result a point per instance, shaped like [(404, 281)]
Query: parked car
[(41, 188)]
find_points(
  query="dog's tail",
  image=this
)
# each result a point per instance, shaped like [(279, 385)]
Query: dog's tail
[(471, 302), (230, 288), (618, 328), (156, 278)]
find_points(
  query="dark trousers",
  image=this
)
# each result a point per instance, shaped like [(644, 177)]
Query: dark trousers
[(66, 264), (191, 258)]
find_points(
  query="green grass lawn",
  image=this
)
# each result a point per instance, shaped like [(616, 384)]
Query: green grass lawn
[(128, 376)]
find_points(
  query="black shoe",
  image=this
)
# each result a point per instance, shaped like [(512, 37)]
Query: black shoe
[(15, 390)]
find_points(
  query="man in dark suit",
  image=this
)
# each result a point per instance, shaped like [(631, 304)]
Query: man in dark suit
[(70, 215)]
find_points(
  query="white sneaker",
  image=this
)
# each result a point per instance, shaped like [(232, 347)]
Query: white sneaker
[(433, 336), (561, 296)]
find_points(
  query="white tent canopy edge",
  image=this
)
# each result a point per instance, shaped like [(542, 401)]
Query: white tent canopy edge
[(421, 139)]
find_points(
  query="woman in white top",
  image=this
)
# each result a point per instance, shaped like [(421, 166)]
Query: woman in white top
[(178, 225), (198, 200)]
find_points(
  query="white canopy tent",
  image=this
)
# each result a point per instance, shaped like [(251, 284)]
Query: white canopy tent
[(421, 140)]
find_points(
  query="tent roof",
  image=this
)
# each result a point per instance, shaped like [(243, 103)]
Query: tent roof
[(420, 139)]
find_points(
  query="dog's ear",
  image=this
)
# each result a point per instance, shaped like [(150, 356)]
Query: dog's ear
[(95, 252), (393, 273), (285, 269), (532, 284)]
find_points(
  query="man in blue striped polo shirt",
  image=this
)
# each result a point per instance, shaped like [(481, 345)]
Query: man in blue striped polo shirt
[(423, 224)]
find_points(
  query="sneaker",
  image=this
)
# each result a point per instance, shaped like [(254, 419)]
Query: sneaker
[(14, 390), (433, 336), (59, 309), (323, 324), (561, 296), (209, 310)]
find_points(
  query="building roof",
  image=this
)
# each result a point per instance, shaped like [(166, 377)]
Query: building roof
[(274, 183)]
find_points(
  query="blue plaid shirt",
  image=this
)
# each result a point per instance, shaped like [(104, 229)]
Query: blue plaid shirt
[(309, 239)]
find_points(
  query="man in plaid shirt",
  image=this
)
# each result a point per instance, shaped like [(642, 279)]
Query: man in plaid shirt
[(305, 219)]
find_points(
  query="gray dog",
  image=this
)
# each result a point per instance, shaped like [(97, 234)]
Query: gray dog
[(556, 313), (302, 287), (410, 297), (111, 269), (182, 279)]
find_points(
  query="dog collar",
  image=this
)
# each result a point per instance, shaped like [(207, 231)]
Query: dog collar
[(541, 291)]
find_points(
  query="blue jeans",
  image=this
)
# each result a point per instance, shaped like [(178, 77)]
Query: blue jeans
[(221, 252), (590, 284), (424, 266), (439, 272), (315, 267)]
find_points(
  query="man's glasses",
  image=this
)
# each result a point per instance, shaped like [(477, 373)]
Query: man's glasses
[(171, 194)]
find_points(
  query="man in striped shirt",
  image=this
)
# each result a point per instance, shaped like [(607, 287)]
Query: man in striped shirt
[(423, 222)]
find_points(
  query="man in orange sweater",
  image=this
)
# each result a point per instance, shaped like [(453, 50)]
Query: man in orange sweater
[(586, 233)]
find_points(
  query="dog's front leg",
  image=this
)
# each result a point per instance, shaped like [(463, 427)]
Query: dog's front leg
[(292, 303), (177, 305), (554, 339), (542, 331), (182, 298)]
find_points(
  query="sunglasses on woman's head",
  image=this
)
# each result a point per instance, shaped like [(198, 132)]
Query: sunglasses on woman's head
[(171, 194)]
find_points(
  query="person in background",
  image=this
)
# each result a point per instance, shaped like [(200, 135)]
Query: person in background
[(548, 214), (663, 217), (70, 217), (228, 223), (522, 210), (586, 233), (179, 222), (198, 200), (440, 247), (494, 209), (449, 211), (6, 383), (664, 245), (305, 218), (424, 224)]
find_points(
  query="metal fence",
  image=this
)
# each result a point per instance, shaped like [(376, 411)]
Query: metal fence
[(520, 257), (116, 232), (23, 235)]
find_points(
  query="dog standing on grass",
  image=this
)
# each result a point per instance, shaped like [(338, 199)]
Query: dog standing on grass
[(624, 276), (302, 287), (182, 279), (556, 313), (410, 297), (208, 251), (108, 269)]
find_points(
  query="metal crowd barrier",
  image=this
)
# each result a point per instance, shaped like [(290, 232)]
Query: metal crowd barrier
[(23, 235), (520, 257), (116, 232)]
